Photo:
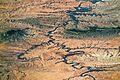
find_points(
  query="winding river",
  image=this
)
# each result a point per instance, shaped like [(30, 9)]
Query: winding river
[(51, 40)]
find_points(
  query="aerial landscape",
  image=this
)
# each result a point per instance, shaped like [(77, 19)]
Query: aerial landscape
[(59, 40)]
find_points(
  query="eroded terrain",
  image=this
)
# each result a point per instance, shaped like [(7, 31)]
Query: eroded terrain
[(59, 40)]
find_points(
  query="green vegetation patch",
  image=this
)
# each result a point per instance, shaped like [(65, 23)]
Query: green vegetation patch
[(12, 35), (91, 33)]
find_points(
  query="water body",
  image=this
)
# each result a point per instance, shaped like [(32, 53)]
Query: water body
[(51, 40), (80, 11), (75, 12), (83, 9), (95, 1)]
